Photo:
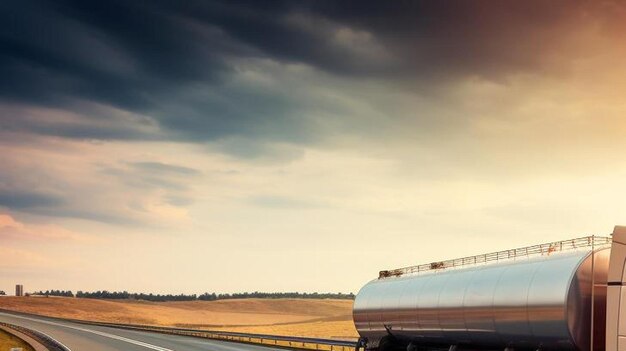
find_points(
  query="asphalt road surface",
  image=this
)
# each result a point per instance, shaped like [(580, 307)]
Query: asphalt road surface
[(80, 337)]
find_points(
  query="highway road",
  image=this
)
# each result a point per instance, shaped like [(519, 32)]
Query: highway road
[(80, 337)]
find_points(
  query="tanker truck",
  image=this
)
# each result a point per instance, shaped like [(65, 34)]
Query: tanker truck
[(561, 296)]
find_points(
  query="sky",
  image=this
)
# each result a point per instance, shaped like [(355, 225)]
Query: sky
[(229, 146)]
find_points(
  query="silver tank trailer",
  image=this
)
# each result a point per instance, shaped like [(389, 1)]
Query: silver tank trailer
[(535, 303)]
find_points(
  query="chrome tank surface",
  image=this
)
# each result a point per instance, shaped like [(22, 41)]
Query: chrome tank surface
[(542, 302)]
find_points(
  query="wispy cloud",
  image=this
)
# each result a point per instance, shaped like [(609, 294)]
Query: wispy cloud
[(283, 202), (163, 168), (83, 182), (12, 230)]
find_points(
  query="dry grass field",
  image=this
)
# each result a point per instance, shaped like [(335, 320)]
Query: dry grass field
[(7, 341), (298, 317)]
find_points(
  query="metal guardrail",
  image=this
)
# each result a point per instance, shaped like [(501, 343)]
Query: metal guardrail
[(279, 341), (534, 250), (50, 343)]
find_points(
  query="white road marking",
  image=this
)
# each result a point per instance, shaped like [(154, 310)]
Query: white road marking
[(111, 336)]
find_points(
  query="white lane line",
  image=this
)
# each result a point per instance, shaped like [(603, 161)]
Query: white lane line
[(111, 336)]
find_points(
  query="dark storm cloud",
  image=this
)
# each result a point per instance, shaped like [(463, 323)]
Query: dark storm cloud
[(445, 40), (173, 61)]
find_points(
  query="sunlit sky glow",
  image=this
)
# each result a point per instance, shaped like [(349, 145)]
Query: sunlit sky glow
[(199, 146)]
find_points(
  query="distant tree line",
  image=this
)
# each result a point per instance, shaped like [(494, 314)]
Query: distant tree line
[(125, 295), (63, 293), (275, 295)]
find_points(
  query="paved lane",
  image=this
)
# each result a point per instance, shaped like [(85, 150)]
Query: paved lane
[(79, 337)]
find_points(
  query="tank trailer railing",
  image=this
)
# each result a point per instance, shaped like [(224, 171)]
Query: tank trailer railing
[(534, 250)]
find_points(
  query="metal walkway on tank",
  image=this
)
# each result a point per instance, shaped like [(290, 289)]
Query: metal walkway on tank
[(586, 242)]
